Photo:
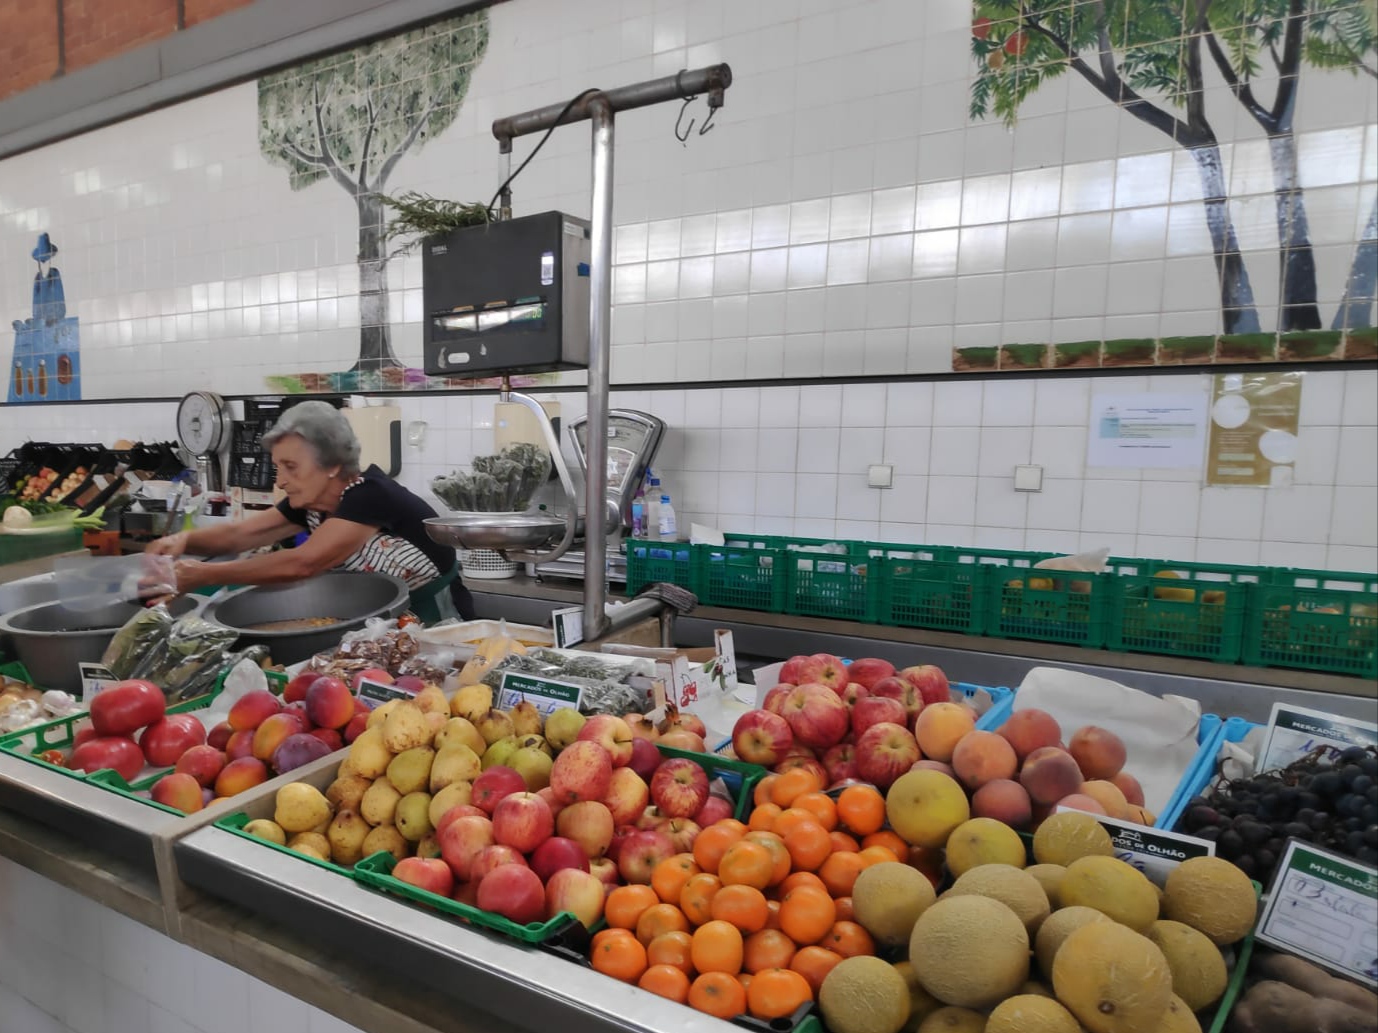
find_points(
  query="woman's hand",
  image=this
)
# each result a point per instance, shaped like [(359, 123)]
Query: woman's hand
[(173, 545), (192, 574)]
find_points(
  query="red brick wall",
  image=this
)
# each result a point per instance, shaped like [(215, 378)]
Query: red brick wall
[(94, 30)]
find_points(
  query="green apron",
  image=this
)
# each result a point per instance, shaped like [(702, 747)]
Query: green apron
[(426, 602)]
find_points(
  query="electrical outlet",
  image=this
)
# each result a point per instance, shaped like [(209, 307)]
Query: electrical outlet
[(1028, 478), (880, 475)]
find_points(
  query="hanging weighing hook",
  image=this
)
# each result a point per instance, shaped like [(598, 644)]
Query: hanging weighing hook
[(683, 137)]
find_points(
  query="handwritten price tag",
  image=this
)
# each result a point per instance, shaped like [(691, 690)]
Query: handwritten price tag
[(1154, 852), (546, 695), (1293, 732)]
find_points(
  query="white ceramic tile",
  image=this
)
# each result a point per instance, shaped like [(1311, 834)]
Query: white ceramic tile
[(1355, 517), (1110, 506), (906, 501), (952, 500), (1231, 513), (1057, 507), (1061, 451), (1298, 515), (962, 535), (907, 449), (908, 404), (1169, 509), (957, 403), (776, 450), (1008, 403), (820, 405), (1158, 546), (1002, 449), (1358, 456), (815, 496), (736, 493), (1322, 399), (223, 995), (999, 505), (1360, 558), (1294, 554), (855, 500), (955, 451), (818, 450)]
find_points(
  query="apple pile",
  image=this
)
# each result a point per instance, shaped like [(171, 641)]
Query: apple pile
[(502, 810), (845, 723)]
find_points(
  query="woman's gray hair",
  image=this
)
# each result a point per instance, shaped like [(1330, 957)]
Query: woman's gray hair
[(325, 429)]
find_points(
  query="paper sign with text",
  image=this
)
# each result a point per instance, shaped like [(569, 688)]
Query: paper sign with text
[(1155, 852), (95, 678), (545, 694), (1324, 907), (690, 683), (375, 693), (569, 626), (1293, 732)]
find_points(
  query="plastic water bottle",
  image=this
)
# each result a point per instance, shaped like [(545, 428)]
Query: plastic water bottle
[(666, 526), (639, 515), (652, 505)]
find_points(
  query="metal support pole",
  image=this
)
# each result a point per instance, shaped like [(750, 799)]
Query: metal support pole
[(504, 173), (600, 318)]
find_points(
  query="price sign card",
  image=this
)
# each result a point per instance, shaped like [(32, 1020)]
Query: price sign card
[(545, 694), (1324, 908), (569, 626), (94, 679), (1155, 852), (1293, 732), (375, 693)]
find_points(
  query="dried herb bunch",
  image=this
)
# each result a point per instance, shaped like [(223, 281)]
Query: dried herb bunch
[(420, 216)]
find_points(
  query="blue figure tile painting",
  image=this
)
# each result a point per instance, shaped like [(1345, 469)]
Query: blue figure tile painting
[(46, 364)]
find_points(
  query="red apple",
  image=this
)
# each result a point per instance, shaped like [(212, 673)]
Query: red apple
[(166, 739), (714, 809), (934, 765), (551, 800), (612, 733), (627, 795), (775, 698), (522, 821), (645, 758), (460, 842), (808, 763), (682, 833), (869, 670), (791, 668), (493, 785), (491, 857), (840, 763), (459, 810), (930, 681), (589, 823), (875, 710), (832, 672), (885, 752), (760, 737), (605, 870), (431, 874), (690, 723), (641, 852), (619, 837), (683, 739), (583, 770), (556, 853), (579, 893), (513, 891), (652, 818), (816, 715), (907, 694), (854, 693)]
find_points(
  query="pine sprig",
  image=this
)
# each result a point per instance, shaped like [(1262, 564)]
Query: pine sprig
[(420, 216)]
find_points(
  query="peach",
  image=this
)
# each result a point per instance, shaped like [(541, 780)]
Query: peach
[(934, 765), (1082, 802), (940, 727), (1004, 800), (239, 775), (1099, 753), (240, 744), (1029, 730), (202, 763), (982, 757), (1129, 785), (178, 791), (252, 709), (329, 703), (1049, 774), (1108, 795), (272, 733)]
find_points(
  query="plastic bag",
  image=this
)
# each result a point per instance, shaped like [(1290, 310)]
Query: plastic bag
[(488, 654), (190, 644), (1082, 562), (205, 679), (143, 633)]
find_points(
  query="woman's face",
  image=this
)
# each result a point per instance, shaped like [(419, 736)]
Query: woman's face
[(308, 484)]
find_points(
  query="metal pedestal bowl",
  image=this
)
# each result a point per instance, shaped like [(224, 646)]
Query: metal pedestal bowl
[(50, 640), (498, 531), (350, 597)]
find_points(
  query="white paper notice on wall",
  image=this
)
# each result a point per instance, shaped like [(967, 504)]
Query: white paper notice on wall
[(1147, 429)]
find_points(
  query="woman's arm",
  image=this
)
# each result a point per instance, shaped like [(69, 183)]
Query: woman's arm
[(253, 532), (329, 545)]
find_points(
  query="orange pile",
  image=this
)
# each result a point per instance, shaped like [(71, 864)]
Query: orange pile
[(754, 918)]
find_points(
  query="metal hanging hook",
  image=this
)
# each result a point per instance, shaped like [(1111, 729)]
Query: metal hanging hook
[(682, 132)]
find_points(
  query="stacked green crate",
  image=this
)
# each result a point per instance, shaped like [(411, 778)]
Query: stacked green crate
[(824, 577), (940, 587), (650, 563), (745, 577), (1315, 620), (1180, 609), (1051, 605)]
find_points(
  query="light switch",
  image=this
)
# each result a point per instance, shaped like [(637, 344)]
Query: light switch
[(1028, 478), (880, 475)]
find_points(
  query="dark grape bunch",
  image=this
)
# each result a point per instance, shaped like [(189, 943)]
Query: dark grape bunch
[(1326, 799)]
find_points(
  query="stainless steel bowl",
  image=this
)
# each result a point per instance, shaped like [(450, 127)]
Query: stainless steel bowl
[(350, 597), (500, 531), (50, 640)]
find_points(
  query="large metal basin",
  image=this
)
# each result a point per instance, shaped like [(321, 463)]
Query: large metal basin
[(16, 595), (50, 640), (350, 597)]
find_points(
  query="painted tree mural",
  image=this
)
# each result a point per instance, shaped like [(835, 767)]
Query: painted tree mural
[(351, 117), (1133, 51)]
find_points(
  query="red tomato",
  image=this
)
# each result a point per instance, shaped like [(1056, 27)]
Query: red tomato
[(53, 757), (165, 740), (117, 752), (126, 707), (83, 733)]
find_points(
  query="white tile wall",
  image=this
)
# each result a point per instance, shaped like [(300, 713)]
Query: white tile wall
[(68, 965)]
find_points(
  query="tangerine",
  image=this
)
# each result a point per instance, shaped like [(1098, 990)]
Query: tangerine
[(839, 872), (821, 806), (669, 877), (742, 906), (622, 957), (861, 809), (849, 939), (792, 785), (807, 914), (809, 845), (746, 863), (666, 981), (776, 993), (660, 918), (624, 905), (717, 947), (713, 842), (696, 899), (719, 994), (767, 948), (671, 948), (814, 964), (763, 817)]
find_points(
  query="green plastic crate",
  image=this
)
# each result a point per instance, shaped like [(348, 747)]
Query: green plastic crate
[(15, 548), (740, 577), (942, 587), (1047, 606), (1200, 613), (235, 823), (650, 563), (1315, 620), (823, 577)]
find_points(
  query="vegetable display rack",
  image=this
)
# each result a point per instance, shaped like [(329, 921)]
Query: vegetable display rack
[(1180, 609), (1315, 620)]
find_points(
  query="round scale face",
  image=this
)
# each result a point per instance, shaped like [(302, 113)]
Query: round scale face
[(202, 422)]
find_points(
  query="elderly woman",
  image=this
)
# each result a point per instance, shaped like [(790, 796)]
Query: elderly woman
[(357, 520)]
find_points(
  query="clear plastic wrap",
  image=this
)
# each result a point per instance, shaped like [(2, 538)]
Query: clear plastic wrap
[(143, 633), (190, 645), (382, 644)]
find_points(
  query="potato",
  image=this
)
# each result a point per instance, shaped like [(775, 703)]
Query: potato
[(1315, 981)]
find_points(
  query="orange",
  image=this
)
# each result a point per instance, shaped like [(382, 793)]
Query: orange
[(666, 981), (888, 839), (876, 854), (696, 899), (608, 934), (861, 809), (671, 948), (742, 906), (792, 819), (717, 993), (622, 957), (849, 940), (669, 877), (660, 918), (808, 845), (792, 785), (745, 863), (712, 843), (761, 794), (773, 914), (801, 879), (769, 948), (778, 851), (717, 947), (745, 979), (625, 903), (821, 806), (842, 841), (807, 914), (763, 817), (776, 993), (845, 910), (814, 964), (839, 872)]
